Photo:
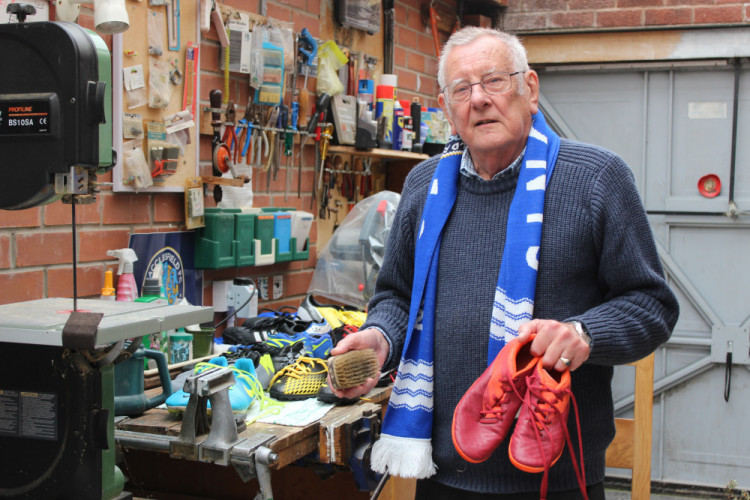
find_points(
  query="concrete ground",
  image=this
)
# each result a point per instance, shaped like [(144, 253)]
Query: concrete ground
[(625, 495), (619, 489)]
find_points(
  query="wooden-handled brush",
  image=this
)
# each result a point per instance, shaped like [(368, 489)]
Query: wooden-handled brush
[(352, 368)]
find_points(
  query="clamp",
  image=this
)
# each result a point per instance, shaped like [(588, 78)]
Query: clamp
[(210, 385)]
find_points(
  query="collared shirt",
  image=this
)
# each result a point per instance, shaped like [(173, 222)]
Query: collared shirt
[(468, 169)]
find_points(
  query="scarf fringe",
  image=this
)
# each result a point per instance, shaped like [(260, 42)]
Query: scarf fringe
[(403, 457)]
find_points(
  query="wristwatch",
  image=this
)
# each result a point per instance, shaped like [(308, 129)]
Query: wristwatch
[(581, 331)]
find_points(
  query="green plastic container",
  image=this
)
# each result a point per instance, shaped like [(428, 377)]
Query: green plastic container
[(244, 239), (203, 341), (214, 247)]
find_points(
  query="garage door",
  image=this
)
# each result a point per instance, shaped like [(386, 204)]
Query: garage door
[(684, 129)]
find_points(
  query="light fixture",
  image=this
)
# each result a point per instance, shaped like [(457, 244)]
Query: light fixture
[(110, 16)]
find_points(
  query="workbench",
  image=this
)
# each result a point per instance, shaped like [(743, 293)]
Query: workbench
[(330, 451)]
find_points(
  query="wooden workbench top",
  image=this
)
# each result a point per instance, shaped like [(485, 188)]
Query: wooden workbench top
[(329, 435)]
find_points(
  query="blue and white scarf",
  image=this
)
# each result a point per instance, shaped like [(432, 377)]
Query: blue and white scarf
[(405, 445)]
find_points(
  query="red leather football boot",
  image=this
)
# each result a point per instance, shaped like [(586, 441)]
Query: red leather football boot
[(485, 413), (540, 435)]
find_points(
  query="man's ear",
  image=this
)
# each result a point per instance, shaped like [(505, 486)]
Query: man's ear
[(447, 112), (531, 81)]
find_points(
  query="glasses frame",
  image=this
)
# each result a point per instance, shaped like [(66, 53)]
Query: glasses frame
[(481, 84)]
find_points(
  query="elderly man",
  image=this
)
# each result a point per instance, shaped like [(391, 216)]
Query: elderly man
[(514, 237)]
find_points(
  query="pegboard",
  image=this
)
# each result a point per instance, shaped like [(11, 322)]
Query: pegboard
[(131, 49)]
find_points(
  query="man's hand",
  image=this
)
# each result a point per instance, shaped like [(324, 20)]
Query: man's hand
[(555, 342), (363, 339)]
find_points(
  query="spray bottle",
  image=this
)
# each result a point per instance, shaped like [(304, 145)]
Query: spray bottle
[(108, 291), (153, 289), (126, 287)]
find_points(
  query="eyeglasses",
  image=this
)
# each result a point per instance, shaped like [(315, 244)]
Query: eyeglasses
[(494, 83)]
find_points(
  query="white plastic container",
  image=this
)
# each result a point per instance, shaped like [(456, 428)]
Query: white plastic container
[(301, 223)]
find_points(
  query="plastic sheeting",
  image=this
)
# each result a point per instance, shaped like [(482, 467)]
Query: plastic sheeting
[(349, 264)]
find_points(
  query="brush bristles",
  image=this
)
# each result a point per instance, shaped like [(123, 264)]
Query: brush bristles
[(352, 368)]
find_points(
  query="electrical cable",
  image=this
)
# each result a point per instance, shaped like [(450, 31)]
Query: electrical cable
[(236, 309)]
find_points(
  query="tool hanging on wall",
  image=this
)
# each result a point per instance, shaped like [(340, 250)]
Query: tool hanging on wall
[(320, 109), (229, 139), (289, 148), (221, 152), (273, 116), (281, 124), (307, 48), (330, 182), (365, 184), (433, 27), (173, 24), (227, 56), (221, 31), (191, 78), (244, 134), (291, 127), (325, 139)]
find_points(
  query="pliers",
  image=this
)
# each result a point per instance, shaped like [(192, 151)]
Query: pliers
[(273, 116), (365, 182), (244, 132), (258, 138)]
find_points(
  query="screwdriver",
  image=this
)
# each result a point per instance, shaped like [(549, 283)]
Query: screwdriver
[(321, 105)]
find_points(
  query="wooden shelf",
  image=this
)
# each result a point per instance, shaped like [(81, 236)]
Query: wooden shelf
[(385, 154)]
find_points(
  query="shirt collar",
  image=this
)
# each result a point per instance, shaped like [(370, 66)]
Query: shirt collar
[(468, 169)]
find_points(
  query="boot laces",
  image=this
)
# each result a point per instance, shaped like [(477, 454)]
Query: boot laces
[(494, 409), (302, 368), (255, 389), (544, 412)]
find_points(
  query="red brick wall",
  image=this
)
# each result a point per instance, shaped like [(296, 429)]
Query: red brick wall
[(414, 58), (557, 15), (36, 244)]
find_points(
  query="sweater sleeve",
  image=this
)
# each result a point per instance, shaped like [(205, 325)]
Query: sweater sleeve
[(639, 309), (388, 309)]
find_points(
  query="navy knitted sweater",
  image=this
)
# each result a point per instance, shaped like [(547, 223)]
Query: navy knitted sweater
[(597, 264)]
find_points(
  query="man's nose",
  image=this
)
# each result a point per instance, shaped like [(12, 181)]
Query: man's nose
[(478, 96)]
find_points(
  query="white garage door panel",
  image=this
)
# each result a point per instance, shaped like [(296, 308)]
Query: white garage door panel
[(609, 113), (720, 271), (701, 439), (701, 136)]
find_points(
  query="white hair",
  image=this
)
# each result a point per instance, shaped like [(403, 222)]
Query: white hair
[(465, 36)]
